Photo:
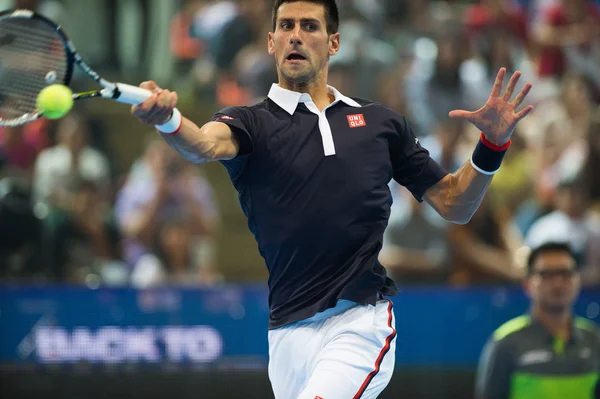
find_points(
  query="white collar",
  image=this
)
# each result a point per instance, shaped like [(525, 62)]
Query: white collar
[(289, 100)]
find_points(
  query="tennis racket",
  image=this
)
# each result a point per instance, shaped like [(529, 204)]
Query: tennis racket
[(35, 53)]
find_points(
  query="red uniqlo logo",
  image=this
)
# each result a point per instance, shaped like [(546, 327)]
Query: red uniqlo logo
[(357, 120)]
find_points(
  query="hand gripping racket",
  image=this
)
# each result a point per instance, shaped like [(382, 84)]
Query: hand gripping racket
[(35, 53)]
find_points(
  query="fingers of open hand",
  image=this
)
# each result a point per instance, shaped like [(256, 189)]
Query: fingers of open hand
[(461, 114), (497, 89), (510, 89), (521, 96), (523, 113)]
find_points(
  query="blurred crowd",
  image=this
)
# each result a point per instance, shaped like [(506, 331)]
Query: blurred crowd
[(67, 217), (73, 217)]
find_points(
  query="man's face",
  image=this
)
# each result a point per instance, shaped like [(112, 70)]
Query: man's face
[(554, 282), (300, 43)]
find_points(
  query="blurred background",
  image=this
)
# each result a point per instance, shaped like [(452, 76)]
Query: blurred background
[(126, 271)]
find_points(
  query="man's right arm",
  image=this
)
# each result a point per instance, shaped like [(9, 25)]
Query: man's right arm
[(214, 141), (494, 371)]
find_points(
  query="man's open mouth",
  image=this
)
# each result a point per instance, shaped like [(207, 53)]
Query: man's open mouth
[(296, 57)]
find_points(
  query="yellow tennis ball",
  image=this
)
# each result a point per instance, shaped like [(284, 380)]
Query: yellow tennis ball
[(55, 101)]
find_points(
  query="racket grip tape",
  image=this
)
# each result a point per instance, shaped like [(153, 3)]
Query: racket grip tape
[(133, 95), (129, 94)]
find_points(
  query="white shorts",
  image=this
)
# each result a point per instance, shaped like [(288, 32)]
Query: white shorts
[(346, 352)]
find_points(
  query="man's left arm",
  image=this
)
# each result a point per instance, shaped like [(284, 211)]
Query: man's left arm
[(457, 196)]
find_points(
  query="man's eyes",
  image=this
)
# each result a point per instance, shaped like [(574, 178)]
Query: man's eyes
[(308, 26)]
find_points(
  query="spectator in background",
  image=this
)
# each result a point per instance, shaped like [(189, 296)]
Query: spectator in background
[(17, 152), (254, 68), (389, 89), (19, 231), (569, 36), (415, 245), (536, 206), (71, 182), (549, 352), (225, 28), (484, 250), (573, 223), (557, 136), (490, 15), (493, 49), (182, 45), (590, 168), (79, 236), (71, 159), (446, 142), (168, 217), (578, 156), (434, 85), (419, 18), (36, 133), (363, 55), (512, 185), (578, 104), (20, 145)]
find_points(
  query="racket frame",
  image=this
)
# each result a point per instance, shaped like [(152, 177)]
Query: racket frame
[(120, 92)]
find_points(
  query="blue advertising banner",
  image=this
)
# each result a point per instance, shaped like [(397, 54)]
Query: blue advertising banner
[(228, 325)]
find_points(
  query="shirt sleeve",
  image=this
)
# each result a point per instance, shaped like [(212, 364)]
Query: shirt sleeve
[(239, 120), (494, 371), (412, 165)]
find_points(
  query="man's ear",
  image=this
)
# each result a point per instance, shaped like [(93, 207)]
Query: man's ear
[(334, 43), (271, 43)]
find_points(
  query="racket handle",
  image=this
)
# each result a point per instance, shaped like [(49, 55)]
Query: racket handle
[(132, 95)]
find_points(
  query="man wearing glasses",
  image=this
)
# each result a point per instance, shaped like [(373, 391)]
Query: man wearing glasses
[(548, 353)]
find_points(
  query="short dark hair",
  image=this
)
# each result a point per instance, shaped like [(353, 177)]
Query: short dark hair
[(549, 247), (332, 15)]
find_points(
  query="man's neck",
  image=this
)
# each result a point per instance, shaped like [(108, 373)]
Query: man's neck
[(318, 91), (558, 324)]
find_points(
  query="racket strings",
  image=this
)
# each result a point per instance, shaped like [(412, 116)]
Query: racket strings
[(32, 56)]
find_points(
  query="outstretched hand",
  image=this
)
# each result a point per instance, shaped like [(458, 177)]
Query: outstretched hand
[(158, 108), (498, 117)]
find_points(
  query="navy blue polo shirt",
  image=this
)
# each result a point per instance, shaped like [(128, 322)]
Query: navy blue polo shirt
[(314, 187)]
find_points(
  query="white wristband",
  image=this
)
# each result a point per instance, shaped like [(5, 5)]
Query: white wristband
[(172, 125)]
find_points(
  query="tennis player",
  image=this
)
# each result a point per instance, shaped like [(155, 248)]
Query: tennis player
[(312, 168)]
